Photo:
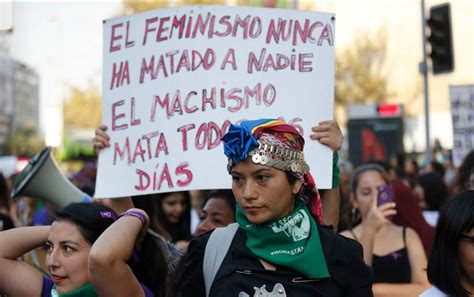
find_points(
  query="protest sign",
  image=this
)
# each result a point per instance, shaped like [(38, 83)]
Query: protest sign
[(175, 79), (462, 112)]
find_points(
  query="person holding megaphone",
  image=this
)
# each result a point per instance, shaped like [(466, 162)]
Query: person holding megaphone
[(88, 247)]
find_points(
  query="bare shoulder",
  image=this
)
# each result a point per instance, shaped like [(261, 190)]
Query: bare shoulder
[(348, 233), (412, 236)]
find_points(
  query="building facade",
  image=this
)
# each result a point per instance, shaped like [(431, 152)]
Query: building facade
[(19, 98)]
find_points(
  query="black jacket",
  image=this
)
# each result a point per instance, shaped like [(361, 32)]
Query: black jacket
[(242, 274)]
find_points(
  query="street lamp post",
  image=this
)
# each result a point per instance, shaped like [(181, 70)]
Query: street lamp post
[(424, 70)]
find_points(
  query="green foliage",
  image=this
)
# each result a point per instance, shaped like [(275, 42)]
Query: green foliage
[(73, 150), (25, 143), (200, 2), (133, 6), (82, 108), (359, 70), (270, 3)]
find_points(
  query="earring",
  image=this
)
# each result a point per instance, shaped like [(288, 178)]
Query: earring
[(355, 215)]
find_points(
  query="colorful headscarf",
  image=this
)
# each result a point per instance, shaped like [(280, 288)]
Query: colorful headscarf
[(276, 144)]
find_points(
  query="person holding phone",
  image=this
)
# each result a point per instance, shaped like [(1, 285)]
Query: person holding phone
[(395, 252)]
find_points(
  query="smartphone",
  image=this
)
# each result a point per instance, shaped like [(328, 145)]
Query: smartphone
[(385, 195)]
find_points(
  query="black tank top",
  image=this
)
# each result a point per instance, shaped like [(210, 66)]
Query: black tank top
[(394, 267)]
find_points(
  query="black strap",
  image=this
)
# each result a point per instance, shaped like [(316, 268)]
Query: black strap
[(404, 236)]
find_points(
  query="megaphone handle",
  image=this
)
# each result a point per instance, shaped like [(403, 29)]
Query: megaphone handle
[(86, 198)]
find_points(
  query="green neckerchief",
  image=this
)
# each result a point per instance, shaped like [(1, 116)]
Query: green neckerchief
[(292, 241), (85, 291)]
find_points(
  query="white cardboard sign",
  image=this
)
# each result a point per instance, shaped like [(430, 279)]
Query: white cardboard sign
[(462, 112), (175, 79)]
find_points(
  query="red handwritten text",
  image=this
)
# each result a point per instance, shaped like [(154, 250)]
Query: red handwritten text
[(208, 135), (193, 101), (149, 146), (268, 61), (285, 30), (156, 179), (115, 37)]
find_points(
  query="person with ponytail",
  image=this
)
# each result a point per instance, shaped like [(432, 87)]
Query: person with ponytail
[(79, 245), (280, 247)]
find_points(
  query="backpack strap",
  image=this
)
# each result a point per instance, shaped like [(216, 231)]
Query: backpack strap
[(216, 249)]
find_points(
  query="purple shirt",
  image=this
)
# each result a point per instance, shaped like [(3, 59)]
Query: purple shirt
[(48, 285)]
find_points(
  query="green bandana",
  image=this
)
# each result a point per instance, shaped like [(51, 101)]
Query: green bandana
[(85, 291), (292, 242)]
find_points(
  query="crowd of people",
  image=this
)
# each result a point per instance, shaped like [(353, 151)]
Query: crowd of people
[(386, 228)]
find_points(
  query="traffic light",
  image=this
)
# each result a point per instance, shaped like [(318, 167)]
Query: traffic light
[(440, 39)]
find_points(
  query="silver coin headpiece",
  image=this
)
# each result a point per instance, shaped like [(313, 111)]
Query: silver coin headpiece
[(280, 157)]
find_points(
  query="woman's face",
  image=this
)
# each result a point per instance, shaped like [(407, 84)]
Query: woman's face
[(67, 254), (263, 193), (409, 167), (366, 190), (174, 206), (420, 196), (466, 258), (216, 213)]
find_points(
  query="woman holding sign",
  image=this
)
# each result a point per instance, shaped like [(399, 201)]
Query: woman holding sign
[(395, 253), (278, 247)]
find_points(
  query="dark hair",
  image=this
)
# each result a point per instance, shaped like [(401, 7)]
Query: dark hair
[(6, 223), (444, 268), (436, 191), (400, 165), (91, 219), (291, 177), (464, 171), (363, 169), (382, 163), (147, 203), (225, 195), (4, 193), (181, 230), (410, 177), (438, 168), (414, 163), (151, 268)]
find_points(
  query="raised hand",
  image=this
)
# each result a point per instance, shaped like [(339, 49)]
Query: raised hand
[(377, 215), (328, 133), (101, 139)]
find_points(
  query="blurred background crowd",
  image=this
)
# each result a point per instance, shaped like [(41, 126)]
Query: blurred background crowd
[(378, 103)]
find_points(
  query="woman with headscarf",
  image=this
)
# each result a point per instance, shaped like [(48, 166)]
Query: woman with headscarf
[(280, 247)]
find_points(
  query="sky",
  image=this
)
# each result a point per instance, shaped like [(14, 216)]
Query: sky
[(62, 40)]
